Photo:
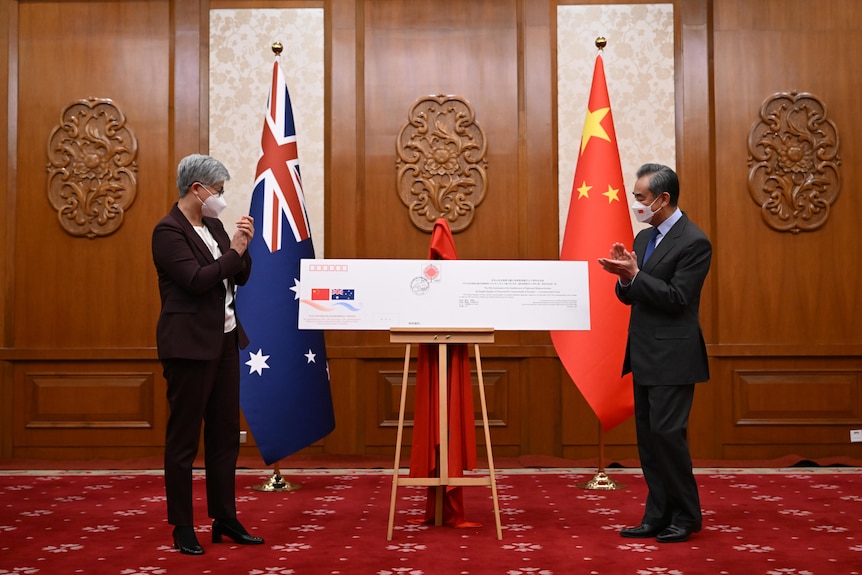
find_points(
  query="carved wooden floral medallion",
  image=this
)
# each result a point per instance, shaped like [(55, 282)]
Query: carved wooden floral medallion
[(793, 162), (91, 168), (441, 162)]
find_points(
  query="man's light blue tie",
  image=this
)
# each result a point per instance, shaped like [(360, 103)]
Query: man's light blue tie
[(650, 245)]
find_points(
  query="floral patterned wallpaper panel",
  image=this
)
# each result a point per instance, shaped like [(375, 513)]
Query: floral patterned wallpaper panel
[(639, 69), (241, 61)]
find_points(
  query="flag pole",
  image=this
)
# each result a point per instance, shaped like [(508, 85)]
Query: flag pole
[(595, 220), (276, 482), (601, 481), (278, 175)]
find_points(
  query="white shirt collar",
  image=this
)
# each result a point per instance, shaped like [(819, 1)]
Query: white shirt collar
[(666, 225)]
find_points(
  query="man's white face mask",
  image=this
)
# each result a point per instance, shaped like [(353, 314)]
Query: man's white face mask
[(643, 214)]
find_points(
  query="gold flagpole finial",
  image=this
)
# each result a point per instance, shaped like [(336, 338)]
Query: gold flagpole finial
[(601, 42), (277, 48)]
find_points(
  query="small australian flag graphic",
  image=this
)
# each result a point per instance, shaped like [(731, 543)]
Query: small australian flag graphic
[(341, 294)]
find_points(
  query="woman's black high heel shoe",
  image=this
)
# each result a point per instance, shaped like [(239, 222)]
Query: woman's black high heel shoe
[(233, 529), (186, 541)]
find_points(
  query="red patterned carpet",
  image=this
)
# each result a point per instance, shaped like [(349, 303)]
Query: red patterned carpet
[(801, 521)]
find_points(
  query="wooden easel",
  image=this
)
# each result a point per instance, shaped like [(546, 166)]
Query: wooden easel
[(442, 337)]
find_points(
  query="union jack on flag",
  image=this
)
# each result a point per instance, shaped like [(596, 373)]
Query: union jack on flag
[(278, 168)]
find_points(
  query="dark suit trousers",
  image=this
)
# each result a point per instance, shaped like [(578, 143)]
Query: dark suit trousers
[(203, 391), (661, 420)]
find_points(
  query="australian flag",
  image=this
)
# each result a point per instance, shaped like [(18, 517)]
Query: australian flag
[(342, 294), (284, 382)]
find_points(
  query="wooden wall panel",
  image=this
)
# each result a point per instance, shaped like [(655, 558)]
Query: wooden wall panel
[(415, 49), (779, 310), (88, 400), (88, 409), (388, 394), (797, 397), (382, 391), (786, 336), (695, 129), (8, 101), (78, 351), (8, 69), (781, 288), (73, 291), (772, 407)]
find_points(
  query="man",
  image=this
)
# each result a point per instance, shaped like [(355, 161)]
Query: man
[(198, 339), (661, 279)]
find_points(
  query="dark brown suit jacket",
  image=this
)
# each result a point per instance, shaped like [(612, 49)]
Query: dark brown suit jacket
[(191, 323)]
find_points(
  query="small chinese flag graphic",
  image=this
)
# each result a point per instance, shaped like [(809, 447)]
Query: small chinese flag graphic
[(320, 293)]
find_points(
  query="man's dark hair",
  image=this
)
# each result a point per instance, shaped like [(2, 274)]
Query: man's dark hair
[(663, 180)]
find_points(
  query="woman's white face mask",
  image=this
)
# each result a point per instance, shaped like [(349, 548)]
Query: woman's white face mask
[(213, 206), (643, 213)]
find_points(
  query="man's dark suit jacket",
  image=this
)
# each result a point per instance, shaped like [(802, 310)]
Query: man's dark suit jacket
[(665, 343), (191, 324)]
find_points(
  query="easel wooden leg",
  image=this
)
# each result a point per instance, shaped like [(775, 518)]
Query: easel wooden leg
[(398, 440), (443, 422), (493, 477)]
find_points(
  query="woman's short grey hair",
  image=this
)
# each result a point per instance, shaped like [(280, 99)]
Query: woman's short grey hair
[(199, 168)]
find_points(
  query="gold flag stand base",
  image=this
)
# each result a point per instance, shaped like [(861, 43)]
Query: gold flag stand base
[(276, 483), (601, 482)]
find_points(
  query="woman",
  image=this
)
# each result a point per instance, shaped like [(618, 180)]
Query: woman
[(198, 337)]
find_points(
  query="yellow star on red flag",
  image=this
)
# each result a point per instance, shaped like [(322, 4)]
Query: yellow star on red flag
[(612, 194), (593, 127)]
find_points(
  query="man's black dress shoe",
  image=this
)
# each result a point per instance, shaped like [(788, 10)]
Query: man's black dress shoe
[(186, 541), (641, 531), (233, 529), (676, 534)]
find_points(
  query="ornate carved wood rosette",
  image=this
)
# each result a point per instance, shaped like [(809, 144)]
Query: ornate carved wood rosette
[(441, 162), (793, 162), (91, 168)]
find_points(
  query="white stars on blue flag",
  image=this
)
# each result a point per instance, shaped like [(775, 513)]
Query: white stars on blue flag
[(257, 362)]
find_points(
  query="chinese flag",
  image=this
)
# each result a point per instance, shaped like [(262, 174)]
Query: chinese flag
[(598, 217), (320, 293)]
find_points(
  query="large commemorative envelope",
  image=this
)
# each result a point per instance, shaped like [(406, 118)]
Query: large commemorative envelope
[(369, 294)]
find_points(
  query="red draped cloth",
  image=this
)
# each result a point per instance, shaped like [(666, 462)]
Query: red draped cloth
[(426, 431)]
